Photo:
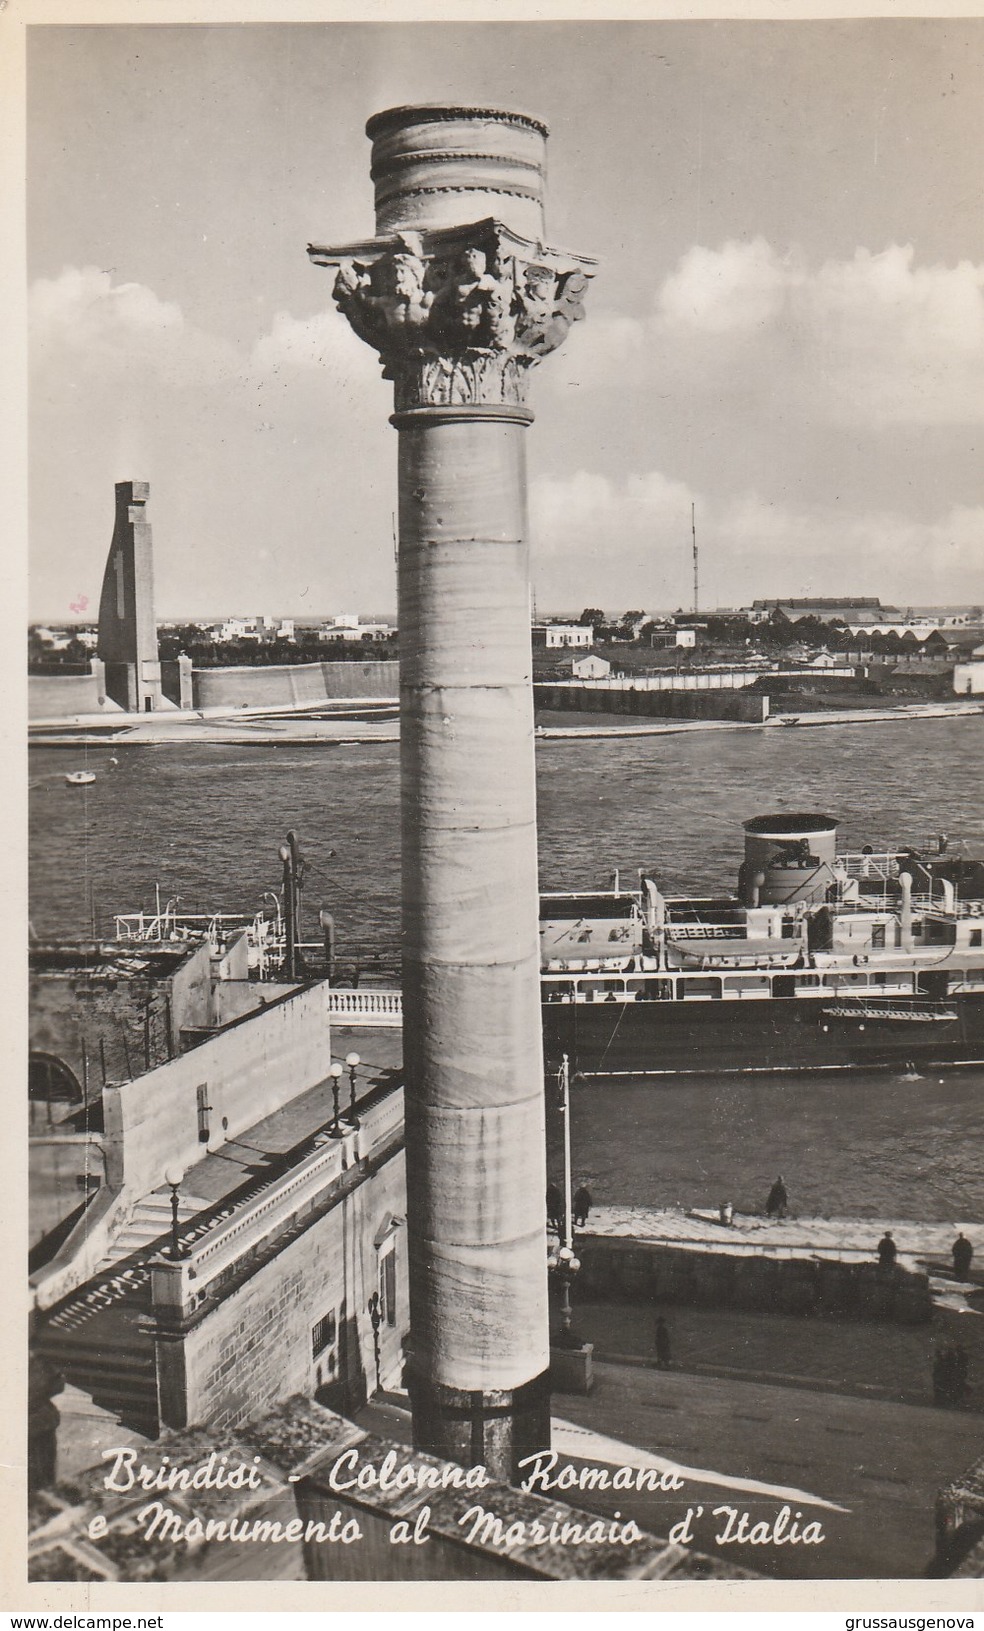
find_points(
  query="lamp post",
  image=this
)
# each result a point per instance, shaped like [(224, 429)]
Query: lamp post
[(174, 1178), (563, 1263), (376, 1320), (353, 1061), (335, 1073)]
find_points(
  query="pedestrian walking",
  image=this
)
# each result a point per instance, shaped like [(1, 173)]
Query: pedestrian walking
[(555, 1207), (887, 1251), (582, 1206), (661, 1344), (778, 1201), (963, 1252)]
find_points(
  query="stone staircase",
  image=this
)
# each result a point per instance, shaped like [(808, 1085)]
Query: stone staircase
[(109, 1355), (100, 1337), (149, 1229)]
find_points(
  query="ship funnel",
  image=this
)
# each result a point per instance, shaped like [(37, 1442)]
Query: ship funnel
[(905, 911), (793, 855)]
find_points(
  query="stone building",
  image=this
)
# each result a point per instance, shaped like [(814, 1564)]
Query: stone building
[(219, 1222)]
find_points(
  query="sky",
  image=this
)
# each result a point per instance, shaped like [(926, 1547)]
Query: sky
[(786, 329)]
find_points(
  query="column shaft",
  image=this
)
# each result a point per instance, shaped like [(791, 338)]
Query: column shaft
[(472, 1036)]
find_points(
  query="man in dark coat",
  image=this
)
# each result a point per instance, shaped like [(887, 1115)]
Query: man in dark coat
[(661, 1344), (887, 1251), (775, 1206), (555, 1207), (963, 1252), (582, 1206)]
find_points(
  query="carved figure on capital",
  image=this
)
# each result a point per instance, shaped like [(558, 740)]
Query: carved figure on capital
[(386, 303), (473, 307), (547, 304)]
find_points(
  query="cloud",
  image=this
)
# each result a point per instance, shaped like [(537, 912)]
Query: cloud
[(864, 343), (81, 319), (740, 288), (324, 341), (629, 543)]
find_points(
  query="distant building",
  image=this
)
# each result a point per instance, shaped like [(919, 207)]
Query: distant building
[(563, 636), (661, 639), (968, 678), (590, 668), (349, 628), (291, 1277), (828, 610)]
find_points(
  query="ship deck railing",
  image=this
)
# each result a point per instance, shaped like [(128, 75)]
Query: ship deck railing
[(265, 936)]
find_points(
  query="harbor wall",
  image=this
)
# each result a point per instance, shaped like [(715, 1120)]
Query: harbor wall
[(294, 684), (63, 696), (635, 1271), (599, 697)]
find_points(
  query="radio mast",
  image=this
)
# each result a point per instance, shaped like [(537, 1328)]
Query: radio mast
[(693, 533)]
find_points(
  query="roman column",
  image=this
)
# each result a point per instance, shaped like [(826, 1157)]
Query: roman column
[(461, 300)]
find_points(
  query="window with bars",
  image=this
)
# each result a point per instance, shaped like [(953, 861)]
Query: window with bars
[(323, 1334), (387, 1285)]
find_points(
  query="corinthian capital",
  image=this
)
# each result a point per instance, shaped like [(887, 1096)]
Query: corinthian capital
[(459, 315)]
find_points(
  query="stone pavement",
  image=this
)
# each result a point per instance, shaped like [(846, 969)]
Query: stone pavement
[(884, 1462), (881, 1464), (863, 1357)]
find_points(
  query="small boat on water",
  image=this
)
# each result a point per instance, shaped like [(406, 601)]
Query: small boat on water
[(80, 778)]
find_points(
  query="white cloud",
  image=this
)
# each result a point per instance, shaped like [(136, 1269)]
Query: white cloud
[(628, 543), (324, 341), (81, 319), (740, 287), (868, 342)]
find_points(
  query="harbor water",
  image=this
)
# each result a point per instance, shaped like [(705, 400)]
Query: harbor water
[(204, 822)]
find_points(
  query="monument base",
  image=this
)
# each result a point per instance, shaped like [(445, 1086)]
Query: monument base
[(496, 1430), (571, 1369)]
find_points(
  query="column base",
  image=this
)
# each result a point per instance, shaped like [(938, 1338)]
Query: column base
[(494, 1429)]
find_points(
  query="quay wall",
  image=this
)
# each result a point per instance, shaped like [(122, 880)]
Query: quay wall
[(600, 697), (624, 1270), (293, 684), (63, 696)]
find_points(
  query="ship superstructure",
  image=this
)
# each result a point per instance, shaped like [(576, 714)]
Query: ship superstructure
[(820, 958)]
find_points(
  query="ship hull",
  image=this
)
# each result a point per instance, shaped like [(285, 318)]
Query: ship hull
[(789, 1034)]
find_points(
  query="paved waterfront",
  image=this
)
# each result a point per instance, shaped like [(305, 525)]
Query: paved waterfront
[(883, 1463), (867, 1358)]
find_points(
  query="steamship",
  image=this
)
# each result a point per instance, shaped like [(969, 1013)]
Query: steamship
[(822, 959)]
